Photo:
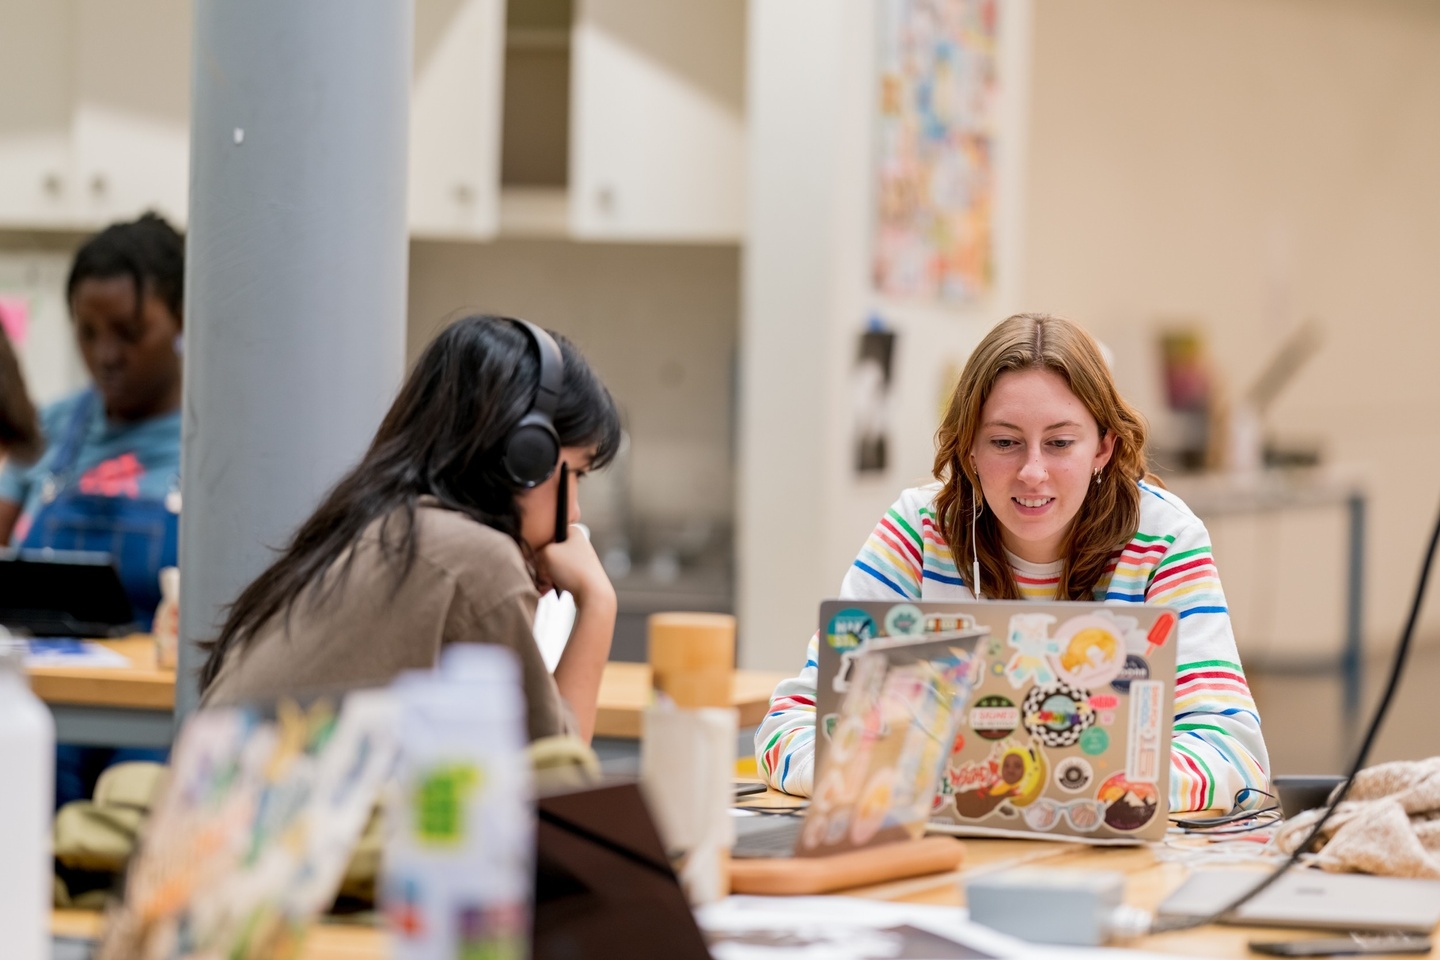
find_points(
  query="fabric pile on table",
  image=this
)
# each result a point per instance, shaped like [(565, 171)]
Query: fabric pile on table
[(1388, 824)]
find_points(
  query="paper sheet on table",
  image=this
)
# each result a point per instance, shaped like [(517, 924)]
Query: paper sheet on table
[(849, 928), (70, 652)]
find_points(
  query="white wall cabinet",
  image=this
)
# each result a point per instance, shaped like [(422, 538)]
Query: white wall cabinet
[(657, 137), (95, 103), (455, 118), (36, 79), (94, 111), (131, 128)]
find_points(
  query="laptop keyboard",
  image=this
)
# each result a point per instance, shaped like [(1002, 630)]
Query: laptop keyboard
[(766, 835)]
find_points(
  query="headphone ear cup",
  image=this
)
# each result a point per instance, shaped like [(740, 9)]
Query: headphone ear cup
[(532, 452)]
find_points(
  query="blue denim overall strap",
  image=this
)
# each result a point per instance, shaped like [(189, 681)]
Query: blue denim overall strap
[(140, 535)]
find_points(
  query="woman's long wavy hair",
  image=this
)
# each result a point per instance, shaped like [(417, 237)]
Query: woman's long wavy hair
[(1110, 513), (442, 438)]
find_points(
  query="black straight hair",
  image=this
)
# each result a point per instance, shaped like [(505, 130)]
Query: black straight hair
[(149, 251), (442, 438)]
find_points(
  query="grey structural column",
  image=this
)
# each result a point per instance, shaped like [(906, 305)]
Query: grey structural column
[(295, 280)]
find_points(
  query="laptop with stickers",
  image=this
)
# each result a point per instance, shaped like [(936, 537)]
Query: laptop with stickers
[(1067, 730)]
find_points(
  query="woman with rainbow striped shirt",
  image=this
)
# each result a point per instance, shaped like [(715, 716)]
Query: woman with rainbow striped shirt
[(1043, 493)]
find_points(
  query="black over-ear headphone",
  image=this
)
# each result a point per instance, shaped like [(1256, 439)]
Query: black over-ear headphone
[(532, 450)]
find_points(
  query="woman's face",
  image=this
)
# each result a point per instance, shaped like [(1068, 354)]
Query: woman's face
[(1036, 453), (130, 353), (537, 504)]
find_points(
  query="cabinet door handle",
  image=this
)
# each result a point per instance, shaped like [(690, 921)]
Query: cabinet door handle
[(464, 193), (53, 184), (99, 184)]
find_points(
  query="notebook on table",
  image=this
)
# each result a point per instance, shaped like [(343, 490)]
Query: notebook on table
[(1067, 730)]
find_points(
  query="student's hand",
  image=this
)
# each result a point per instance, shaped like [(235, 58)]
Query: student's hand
[(573, 566)]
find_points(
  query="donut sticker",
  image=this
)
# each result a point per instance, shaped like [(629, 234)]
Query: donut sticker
[(1073, 774), (873, 806), (848, 629), (904, 620), (1057, 714), (1092, 650), (994, 717), (1128, 805), (1135, 668)]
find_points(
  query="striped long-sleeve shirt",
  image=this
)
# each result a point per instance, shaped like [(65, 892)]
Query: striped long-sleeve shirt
[(1218, 748)]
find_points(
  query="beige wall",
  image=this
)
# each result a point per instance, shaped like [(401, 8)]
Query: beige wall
[(658, 323), (1249, 163)]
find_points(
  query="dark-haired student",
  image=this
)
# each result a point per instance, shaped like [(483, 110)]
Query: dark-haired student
[(440, 535), (109, 476)]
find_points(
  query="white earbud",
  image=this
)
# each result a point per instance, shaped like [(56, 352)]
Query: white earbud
[(974, 541)]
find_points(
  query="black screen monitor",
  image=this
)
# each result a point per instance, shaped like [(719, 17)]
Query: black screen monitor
[(63, 593)]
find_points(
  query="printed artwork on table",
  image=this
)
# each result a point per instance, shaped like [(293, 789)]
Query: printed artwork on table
[(1014, 773)]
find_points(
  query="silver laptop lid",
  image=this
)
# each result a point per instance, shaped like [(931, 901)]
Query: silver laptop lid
[(1068, 732)]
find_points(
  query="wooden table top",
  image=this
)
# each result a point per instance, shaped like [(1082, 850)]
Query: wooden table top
[(141, 686), (1147, 882), (624, 688)]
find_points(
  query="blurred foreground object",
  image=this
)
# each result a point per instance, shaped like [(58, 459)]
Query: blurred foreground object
[(27, 756), (687, 749)]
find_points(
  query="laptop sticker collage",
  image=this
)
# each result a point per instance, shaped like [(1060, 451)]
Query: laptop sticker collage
[(1063, 724)]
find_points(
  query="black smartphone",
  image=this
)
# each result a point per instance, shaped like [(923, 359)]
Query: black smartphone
[(562, 504), (1356, 944), (746, 788)]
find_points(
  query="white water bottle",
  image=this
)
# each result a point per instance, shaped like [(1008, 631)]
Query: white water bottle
[(460, 835), (27, 760)]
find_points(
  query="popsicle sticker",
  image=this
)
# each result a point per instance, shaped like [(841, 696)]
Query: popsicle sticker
[(1159, 630)]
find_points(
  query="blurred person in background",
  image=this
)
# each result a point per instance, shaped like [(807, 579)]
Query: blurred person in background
[(109, 477)]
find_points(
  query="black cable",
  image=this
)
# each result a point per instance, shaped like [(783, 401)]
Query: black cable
[(1343, 790)]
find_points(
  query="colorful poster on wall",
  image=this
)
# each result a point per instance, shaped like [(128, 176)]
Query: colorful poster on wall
[(934, 222)]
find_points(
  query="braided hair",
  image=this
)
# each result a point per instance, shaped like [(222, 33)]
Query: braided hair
[(149, 251)]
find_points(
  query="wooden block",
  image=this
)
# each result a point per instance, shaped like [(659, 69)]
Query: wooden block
[(692, 656), (793, 876)]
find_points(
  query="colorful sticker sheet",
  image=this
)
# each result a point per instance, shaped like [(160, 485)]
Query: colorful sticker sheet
[(889, 740), (250, 839), (935, 147)]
